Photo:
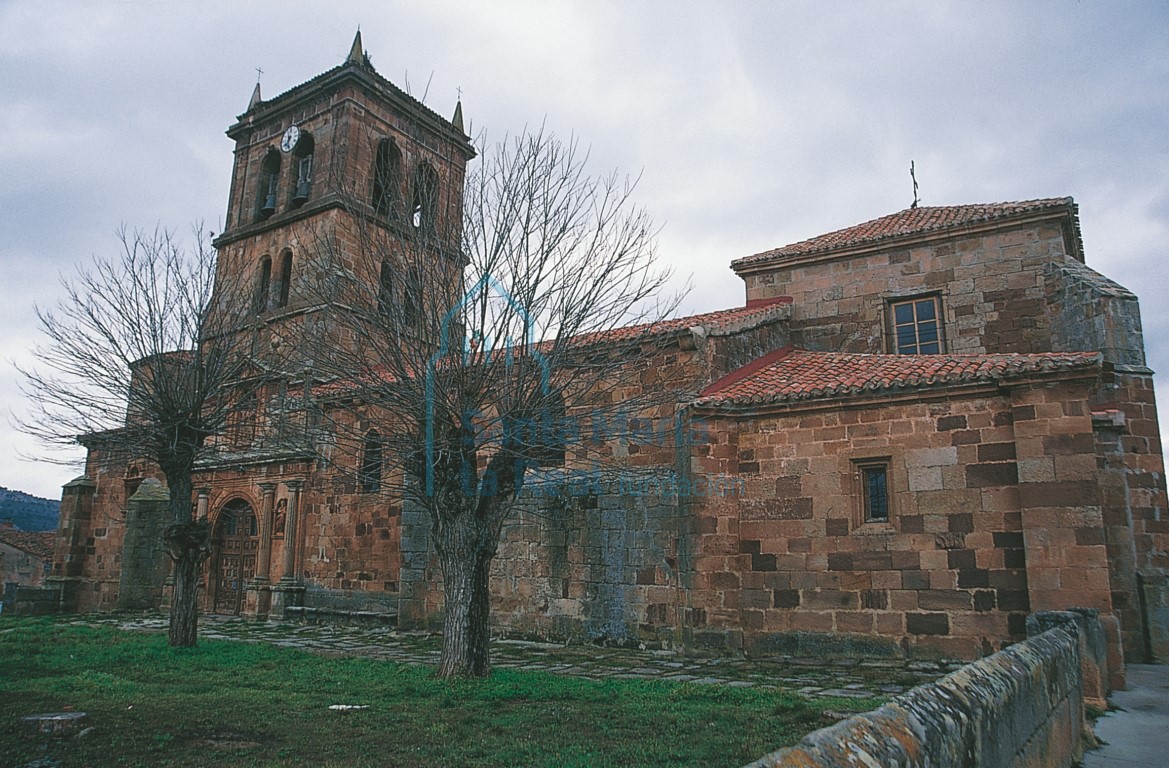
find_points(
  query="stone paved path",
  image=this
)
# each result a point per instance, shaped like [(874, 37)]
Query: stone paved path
[(1135, 733), (839, 678)]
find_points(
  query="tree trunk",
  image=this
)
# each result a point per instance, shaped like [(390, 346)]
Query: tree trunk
[(189, 544), (467, 622), (184, 609), (466, 540)]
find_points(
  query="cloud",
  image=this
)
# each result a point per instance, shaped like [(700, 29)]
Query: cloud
[(753, 124)]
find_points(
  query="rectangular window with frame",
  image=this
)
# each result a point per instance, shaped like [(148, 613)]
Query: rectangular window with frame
[(874, 479), (916, 326)]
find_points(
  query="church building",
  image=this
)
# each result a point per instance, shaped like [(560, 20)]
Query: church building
[(917, 431)]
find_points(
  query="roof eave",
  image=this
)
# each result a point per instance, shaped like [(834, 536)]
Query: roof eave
[(1066, 210), (761, 406)]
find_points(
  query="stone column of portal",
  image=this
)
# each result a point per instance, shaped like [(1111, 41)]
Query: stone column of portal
[(292, 532), (202, 497), (264, 557), (258, 600), (289, 593)]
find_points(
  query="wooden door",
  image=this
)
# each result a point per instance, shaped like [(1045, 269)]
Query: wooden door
[(234, 548)]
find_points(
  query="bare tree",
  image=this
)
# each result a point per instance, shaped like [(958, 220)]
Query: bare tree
[(487, 334), (137, 361)]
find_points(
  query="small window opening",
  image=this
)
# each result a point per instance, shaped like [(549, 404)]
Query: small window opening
[(303, 159), (285, 279), (269, 184), (412, 297), (385, 294), (875, 488), (551, 437), (424, 200), (370, 476), (260, 300), (387, 180), (917, 328)]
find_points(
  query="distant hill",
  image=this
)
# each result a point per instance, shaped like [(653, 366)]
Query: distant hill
[(27, 512)]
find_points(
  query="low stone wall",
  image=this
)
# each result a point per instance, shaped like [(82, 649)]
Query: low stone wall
[(1023, 706), (589, 566), (1154, 586), (31, 601)]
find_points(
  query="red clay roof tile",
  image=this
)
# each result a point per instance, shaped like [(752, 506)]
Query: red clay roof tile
[(792, 374), (911, 221), (36, 543), (709, 320), (734, 317)]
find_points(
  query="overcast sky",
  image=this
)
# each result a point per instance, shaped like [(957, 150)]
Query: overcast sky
[(753, 124)]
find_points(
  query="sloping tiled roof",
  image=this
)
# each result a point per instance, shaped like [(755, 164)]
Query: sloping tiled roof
[(711, 321), (911, 221), (722, 320), (36, 543), (793, 374)]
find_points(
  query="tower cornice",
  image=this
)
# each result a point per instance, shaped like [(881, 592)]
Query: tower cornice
[(334, 80)]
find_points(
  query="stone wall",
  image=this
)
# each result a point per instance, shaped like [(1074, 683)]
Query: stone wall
[(1090, 312), (1154, 596), (20, 567), (346, 126), (145, 562), (1137, 517), (351, 539), (992, 286), (994, 512), (21, 574), (1023, 706), (599, 549), (32, 601), (1019, 287), (583, 567), (87, 554)]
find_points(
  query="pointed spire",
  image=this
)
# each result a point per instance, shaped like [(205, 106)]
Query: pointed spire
[(457, 120), (356, 52), (256, 99)]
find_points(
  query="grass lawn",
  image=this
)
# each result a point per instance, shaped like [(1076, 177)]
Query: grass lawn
[(238, 704)]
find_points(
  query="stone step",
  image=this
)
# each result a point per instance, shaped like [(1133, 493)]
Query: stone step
[(55, 723), (320, 615)]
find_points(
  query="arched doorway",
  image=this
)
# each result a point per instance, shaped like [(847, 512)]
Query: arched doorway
[(234, 548)]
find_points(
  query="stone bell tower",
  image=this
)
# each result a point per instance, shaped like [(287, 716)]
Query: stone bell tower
[(349, 165)]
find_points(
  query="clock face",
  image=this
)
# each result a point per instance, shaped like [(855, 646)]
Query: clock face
[(288, 141)]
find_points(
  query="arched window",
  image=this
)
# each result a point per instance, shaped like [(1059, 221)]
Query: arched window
[(242, 420), (260, 300), (269, 184), (385, 292), (387, 180), (551, 439), (285, 279), (424, 198), (302, 159), (370, 476), (412, 297), (236, 519)]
